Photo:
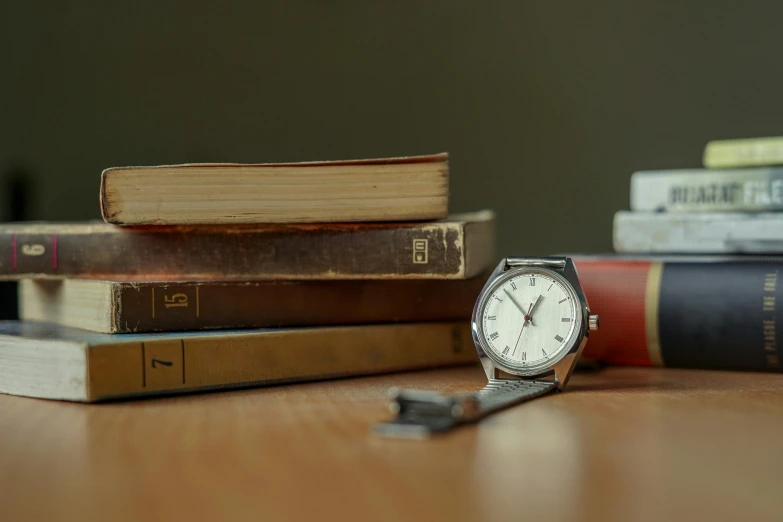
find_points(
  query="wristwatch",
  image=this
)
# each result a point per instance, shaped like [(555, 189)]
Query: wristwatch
[(530, 324)]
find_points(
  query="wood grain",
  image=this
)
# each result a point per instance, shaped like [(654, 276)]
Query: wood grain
[(621, 444)]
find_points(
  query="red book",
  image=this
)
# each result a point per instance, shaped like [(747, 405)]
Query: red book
[(616, 290), (687, 312)]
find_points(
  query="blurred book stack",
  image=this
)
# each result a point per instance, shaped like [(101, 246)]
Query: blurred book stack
[(695, 284), (218, 276)]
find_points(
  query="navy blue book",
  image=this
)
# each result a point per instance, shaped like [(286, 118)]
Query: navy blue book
[(715, 313)]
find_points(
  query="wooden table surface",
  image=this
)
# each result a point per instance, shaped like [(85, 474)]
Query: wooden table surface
[(621, 444)]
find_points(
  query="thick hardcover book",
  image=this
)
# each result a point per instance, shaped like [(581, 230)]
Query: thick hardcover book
[(129, 306), (717, 315), (706, 190), (698, 233), (388, 189), (455, 248), (751, 152), (57, 362)]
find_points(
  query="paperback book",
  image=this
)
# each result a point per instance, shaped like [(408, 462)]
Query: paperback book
[(387, 189), (56, 362), (157, 306)]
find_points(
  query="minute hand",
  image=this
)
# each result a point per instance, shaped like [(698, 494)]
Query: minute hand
[(519, 307)]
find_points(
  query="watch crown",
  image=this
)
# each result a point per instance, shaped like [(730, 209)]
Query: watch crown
[(592, 322)]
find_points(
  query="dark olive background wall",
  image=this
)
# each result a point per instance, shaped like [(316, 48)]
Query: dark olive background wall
[(546, 107)]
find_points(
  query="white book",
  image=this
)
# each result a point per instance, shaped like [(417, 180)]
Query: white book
[(708, 190), (698, 233)]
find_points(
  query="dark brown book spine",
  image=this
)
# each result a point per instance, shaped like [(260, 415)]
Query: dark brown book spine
[(429, 250), (156, 307)]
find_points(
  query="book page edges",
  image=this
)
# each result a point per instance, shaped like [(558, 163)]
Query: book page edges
[(399, 160), (479, 243), (78, 303), (45, 369)]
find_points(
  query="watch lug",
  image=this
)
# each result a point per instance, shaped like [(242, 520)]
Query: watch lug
[(572, 276), (489, 368), (498, 270), (565, 366)]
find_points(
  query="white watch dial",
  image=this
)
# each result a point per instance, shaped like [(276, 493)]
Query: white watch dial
[(530, 319)]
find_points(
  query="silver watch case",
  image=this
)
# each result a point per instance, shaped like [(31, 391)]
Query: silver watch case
[(559, 369)]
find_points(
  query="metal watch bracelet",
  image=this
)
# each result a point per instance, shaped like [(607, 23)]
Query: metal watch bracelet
[(423, 413)]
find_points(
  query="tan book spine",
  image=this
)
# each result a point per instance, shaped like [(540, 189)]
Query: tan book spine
[(192, 363)]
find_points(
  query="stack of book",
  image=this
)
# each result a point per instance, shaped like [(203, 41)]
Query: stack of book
[(219, 276), (696, 281)]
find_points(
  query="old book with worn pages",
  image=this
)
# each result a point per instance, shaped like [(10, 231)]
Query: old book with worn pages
[(459, 247), (158, 306), (55, 362), (388, 189)]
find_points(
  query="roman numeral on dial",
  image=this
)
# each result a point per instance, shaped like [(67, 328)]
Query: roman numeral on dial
[(505, 350), (491, 317), (532, 281), (566, 319), (558, 339), (494, 336), (524, 356), (513, 285)]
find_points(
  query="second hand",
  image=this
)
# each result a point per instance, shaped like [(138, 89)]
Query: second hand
[(527, 315)]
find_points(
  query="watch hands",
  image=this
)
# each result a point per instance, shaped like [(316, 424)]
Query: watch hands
[(533, 306), (523, 328), (519, 306)]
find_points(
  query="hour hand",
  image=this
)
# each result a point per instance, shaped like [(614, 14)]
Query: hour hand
[(519, 307), (531, 311), (535, 305)]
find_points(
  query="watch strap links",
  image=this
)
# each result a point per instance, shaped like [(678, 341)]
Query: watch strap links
[(423, 413)]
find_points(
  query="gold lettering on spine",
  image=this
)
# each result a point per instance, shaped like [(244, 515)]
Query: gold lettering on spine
[(652, 296), (769, 328), (771, 282)]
